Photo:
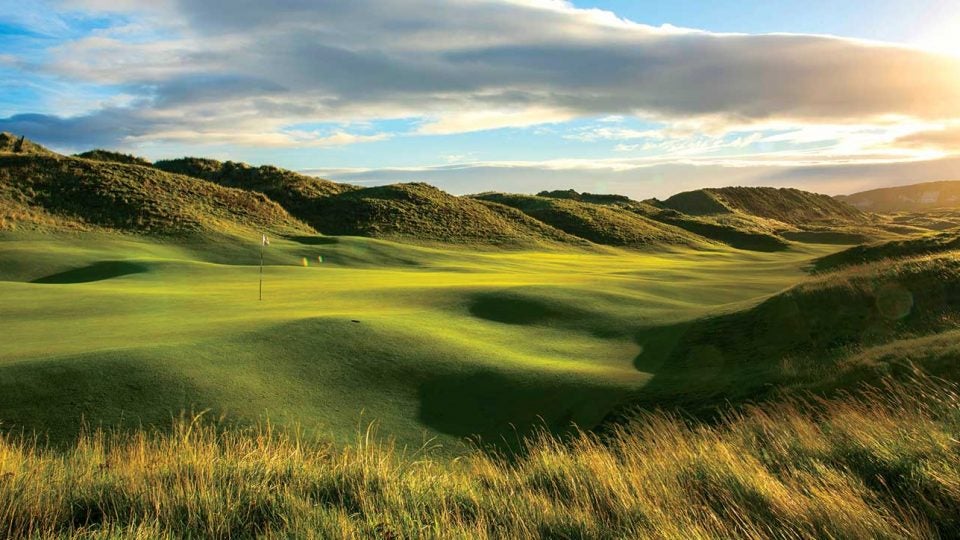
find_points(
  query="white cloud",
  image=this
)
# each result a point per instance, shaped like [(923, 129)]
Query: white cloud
[(478, 120), (592, 134), (239, 70)]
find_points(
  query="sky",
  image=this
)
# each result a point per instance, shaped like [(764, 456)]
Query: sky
[(640, 98)]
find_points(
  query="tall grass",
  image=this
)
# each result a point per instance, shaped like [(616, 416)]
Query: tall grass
[(881, 463)]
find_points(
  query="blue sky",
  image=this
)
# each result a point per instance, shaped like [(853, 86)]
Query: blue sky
[(885, 20), (644, 98)]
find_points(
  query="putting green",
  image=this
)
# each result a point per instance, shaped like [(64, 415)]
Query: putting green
[(430, 343)]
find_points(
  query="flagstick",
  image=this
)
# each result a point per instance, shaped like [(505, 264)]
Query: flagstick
[(261, 270)]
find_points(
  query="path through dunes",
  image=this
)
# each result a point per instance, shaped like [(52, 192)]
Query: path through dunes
[(428, 342)]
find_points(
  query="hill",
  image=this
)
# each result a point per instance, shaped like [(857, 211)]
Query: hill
[(787, 205), (52, 192), (759, 219), (736, 230), (113, 157), (830, 333), (788, 213), (896, 249), (912, 198), (13, 144), (598, 223), (410, 212), (294, 191), (422, 212)]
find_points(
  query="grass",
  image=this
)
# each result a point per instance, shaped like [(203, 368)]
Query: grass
[(422, 213), (896, 249), (111, 335), (787, 205), (113, 157), (598, 223), (109, 190), (123, 330), (50, 192), (882, 462)]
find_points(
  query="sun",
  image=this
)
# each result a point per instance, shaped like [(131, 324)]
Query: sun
[(942, 36)]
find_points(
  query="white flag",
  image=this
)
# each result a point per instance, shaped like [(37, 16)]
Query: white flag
[(266, 242)]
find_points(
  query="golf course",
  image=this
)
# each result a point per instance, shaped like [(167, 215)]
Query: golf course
[(429, 343), (195, 348)]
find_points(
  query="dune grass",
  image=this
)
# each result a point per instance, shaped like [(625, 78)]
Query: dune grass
[(914, 246), (882, 462), (51, 192)]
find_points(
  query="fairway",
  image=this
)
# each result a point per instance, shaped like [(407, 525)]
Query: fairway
[(431, 344)]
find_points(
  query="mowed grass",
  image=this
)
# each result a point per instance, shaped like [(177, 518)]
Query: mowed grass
[(432, 344)]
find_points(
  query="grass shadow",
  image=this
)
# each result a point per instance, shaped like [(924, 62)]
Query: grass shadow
[(314, 240), (498, 410), (99, 271)]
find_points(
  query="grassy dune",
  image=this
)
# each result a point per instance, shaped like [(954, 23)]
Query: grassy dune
[(50, 192), (448, 343), (891, 250), (130, 298), (881, 463)]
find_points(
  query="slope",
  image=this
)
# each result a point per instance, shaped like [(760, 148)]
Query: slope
[(421, 212), (895, 249), (295, 192), (788, 213), (833, 332), (787, 205), (13, 144), (912, 198), (597, 223), (47, 191), (113, 157), (447, 343), (734, 229)]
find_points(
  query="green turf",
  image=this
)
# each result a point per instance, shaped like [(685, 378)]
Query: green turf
[(444, 343)]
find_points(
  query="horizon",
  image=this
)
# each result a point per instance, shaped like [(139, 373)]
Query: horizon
[(604, 96)]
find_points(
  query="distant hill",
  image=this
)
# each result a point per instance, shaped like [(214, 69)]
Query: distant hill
[(598, 223), (113, 157), (586, 197), (423, 212), (413, 212), (51, 192), (789, 213), (787, 205), (761, 219), (735, 230), (912, 198)]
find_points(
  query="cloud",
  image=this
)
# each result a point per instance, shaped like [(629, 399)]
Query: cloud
[(127, 127), (654, 177), (105, 127), (945, 138), (483, 64), (604, 133)]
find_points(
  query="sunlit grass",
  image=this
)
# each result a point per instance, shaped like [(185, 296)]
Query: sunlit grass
[(450, 342), (881, 463)]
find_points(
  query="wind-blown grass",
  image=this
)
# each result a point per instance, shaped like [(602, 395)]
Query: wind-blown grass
[(881, 463)]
